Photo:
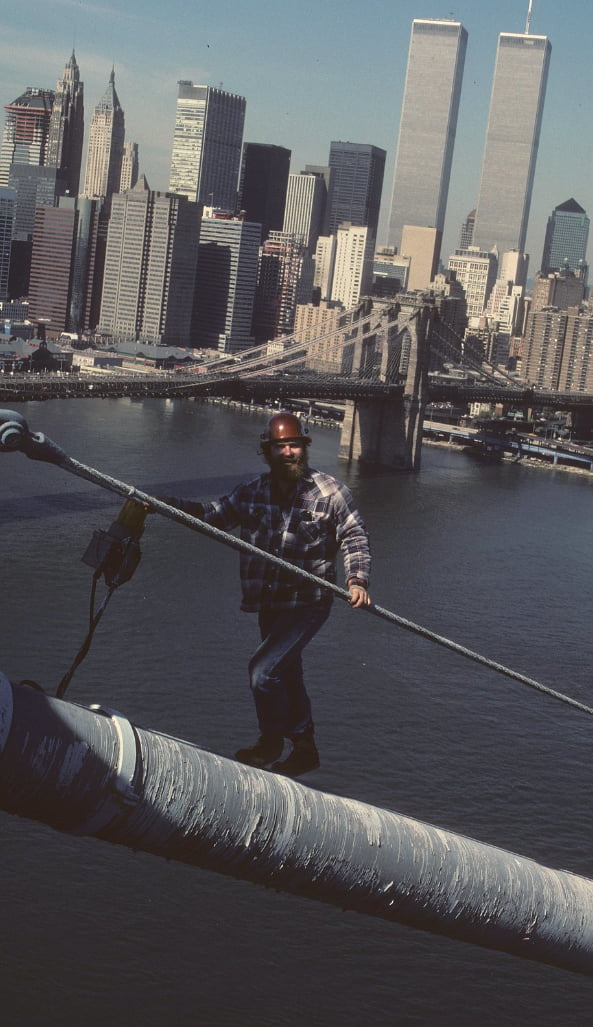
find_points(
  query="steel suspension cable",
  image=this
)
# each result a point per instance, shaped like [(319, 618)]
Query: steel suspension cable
[(38, 447)]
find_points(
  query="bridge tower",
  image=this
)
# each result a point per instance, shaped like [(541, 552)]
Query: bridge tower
[(387, 431)]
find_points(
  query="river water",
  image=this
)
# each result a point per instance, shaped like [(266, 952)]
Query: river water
[(497, 557)]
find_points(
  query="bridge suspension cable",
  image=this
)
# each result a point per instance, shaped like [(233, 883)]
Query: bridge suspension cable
[(291, 352), (495, 374)]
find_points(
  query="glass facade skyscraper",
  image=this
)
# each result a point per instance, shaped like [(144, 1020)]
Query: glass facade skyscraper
[(207, 141), (512, 140), (567, 234), (264, 180), (357, 171), (7, 205), (226, 282), (428, 124), (306, 197), (51, 263)]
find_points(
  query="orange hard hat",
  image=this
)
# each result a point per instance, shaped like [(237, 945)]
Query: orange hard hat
[(283, 427)]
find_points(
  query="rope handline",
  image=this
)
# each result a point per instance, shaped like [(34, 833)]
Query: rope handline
[(121, 488), (94, 619)]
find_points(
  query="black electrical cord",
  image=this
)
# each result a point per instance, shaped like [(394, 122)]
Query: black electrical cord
[(94, 619)]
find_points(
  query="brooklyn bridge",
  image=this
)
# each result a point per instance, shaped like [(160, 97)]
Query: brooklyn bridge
[(376, 363)]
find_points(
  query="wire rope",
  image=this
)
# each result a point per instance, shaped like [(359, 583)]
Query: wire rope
[(194, 523)]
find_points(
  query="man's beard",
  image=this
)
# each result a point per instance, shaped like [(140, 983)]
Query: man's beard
[(289, 470)]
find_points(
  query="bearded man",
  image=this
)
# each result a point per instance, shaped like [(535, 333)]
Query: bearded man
[(303, 516)]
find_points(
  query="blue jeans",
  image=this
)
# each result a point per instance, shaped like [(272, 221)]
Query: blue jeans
[(276, 669)]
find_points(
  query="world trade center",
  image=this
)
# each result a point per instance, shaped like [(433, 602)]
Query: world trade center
[(428, 124), (512, 141)]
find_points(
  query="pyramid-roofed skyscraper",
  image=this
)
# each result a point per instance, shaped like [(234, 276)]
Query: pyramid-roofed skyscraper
[(567, 234), (106, 145), (66, 128)]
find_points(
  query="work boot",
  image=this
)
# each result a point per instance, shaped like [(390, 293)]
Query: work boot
[(267, 749), (304, 756)]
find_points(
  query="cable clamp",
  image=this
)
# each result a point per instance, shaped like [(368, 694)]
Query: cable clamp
[(122, 792)]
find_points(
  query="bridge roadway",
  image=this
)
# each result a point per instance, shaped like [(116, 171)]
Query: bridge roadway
[(487, 392), (20, 388), (520, 445), (257, 386)]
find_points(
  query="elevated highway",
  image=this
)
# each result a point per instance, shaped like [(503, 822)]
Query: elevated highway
[(517, 444)]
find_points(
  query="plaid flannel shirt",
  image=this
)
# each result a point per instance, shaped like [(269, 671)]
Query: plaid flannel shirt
[(308, 531)]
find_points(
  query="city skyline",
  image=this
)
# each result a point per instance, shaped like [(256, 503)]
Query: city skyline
[(311, 79)]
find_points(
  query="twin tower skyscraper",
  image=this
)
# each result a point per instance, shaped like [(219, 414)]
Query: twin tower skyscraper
[(428, 126)]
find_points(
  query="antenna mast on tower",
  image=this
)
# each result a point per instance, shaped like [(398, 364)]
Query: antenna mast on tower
[(528, 22)]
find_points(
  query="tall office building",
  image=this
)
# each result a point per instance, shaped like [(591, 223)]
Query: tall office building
[(305, 207), (391, 272), (476, 271), (34, 186), (428, 124), (357, 171), (325, 172), (88, 259), (567, 235), (505, 307), (558, 349), (66, 129), (466, 236), (206, 155), (264, 181), (226, 282), (353, 267), (150, 266), (51, 264), (325, 259), (576, 369), (422, 246), (314, 324), (560, 289), (513, 266), (26, 131), (285, 279), (7, 205), (106, 146), (67, 264), (24, 168), (512, 140), (511, 281), (129, 167)]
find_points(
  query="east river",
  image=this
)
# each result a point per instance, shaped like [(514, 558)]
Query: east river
[(496, 557)]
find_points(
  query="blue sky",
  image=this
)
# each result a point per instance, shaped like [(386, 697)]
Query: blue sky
[(311, 73)]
